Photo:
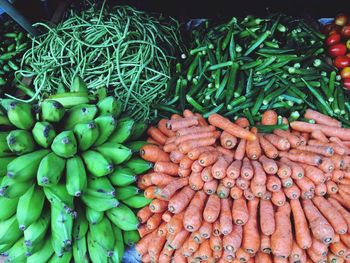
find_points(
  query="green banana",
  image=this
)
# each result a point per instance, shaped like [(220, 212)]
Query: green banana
[(78, 114), (50, 170), (65, 144), (33, 249), (44, 134), (86, 134), (137, 201), (80, 253), (4, 148), (123, 130), (106, 125), (71, 99), (81, 225), (25, 167), (139, 130), (102, 233), (4, 161), (97, 164), (131, 237), (122, 177), (20, 142), (93, 216), (42, 255), (100, 187), (76, 179), (29, 207), (138, 165), (9, 230), (123, 217), (57, 195), (65, 258), (8, 207), (135, 146), (99, 204), (96, 253), (78, 85), (5, 247), (119, 248), (109, 105), (17, 253), (20, 114), (126, 192), (36, 232), (4, 121), (116, 152), (52, 110), (11, 189)]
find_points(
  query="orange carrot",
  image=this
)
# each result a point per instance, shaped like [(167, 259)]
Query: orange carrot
[(240, 150), (227, 140), (319, 226), (269, 165), (166, 254), (185, 162), (336, 147), (179, 239), (230, 127), (157, 135), (189, 247), (338, 161), (143, 230), (278, 198), (345, 214), (154, 221), (337, 176), (318, 149), (334, 259), (204, 252), (273, 183), (227, 154), (304, 137), (292, 192), (176, 156), (269, 117), (314, 257), (263, 258), (205, 230), (248, 194), (153, 153), (234, 169), (242, 255), (193, 136), (321, 189), (327, 165), (178, 124), (193, 215), (242, 183), (189, 145), (167, 215), (297, 253), (155, 249), (338, 248), (332, 187), (169, 190), (302, 157), (216, 228), (210, 187), (162, 127), (158, 206), (236, 192), (305, 184), (195, 153), (228, 182), (196, 167), (158, 179), (226, 217), (247, 171), (313, 173), (318, 135), (178, 257), (150, 140), (180, 200), (240, 211), (257, 189), (169, 147), (206, 174), (251, 239), (195, 181), (215, 243), (175, 116), (170, 140), (146, 258), (217, 255), (339, 142), (184, 172), (233, 241), (279, 142), (222, 191), (318, 247), (267, 147), (265, 244), (242, 122), (201, 120), (151, 192), (212, 209), (228, 256), (187, 113), (321, 118), (293, 139), (253, 149), (144, 214), (219, 168), (194, 130), (259, 173), (166, 167), (208, 158), (267, 196), (267, 217), (287, 182)]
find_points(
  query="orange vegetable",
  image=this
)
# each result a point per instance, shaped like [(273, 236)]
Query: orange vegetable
[(144, 214), (222, 191), (206, 174), (169, 190), (180, 200), (251, 239), (178, 124), (313, 173), (302, 157), (193, 215), (242, 255), (201, 120), (242, 183), (267, 217), (195, 181), (236, 192), (158, 206), (189, 145), (196, 152), (321, 118), (166, 167), (263, 258), (167, 215), (228, 182), (319, 248), (265, 244), (226, 217), (292, 192), (253, 149), (215, 243), (208, 158), (142, 246), (196, 167), (194, 130), (153, 153), (176, 156), (227, 140), (186, 162), (219, 168), (240, 150), (162, 127), (297, 253), (157, 135), (332, 187), (154, 221), (269, 165), (194, 136), (234, 169), (279, 142), (233, 241), (179, 239), (321, 189), (278, 198), (210, 187), (336, 147), (318, 149), (212, 209), (242, 122), (143, 230), (205, 230), (247, 171), (240, 214), (338, 248), (269, 117), (293, 139), (204, 252), (267, 147), (345, 214), (318, 135), (248, 194), (259, 173), (189, 247), (273, 183)]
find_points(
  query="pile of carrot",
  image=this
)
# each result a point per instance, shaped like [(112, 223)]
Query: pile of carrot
[(223, 192)]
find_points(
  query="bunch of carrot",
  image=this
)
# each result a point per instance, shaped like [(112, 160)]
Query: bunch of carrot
[(223, 192)]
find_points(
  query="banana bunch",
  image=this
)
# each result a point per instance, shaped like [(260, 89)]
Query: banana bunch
[(66, 182)]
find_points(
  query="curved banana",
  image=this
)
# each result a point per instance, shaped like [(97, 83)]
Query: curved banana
[(20, 142), (122, 177), (43, 134), (138, 165), (9, 188), (86, 133), (50, 170), (80, 253), (65, 144), (137, 201), (135, 146), (65, 258), (99, 204), (138, 131), (4, 161), (35, 248), (4, 148), (97, 164), (76, 179), (123, 130), (96, 252), (9, 230), (70, 99), (17, 252), (131, 237), (106, 125), (126, 192), (42, 255), (57, 195), (8, 207), (93, 216), (119, 248), (52, 111), (100, 187), (123, 217), (116, 152), (37, 231), (110, 105), (78, 114), (102, 234), (20, 114), (81, 225)]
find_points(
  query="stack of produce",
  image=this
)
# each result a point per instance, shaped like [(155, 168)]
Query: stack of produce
[(225, 193), (66, 182), (245, 67)]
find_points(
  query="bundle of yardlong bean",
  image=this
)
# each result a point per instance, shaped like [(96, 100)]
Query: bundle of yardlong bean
[(122, 49)]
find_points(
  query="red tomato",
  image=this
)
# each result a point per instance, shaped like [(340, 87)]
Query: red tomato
[(345, 31), (333, 39), (346, 83), (341, 20), (345, 73), (341, 62), (337, 50)]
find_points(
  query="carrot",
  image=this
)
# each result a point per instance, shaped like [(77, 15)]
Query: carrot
[(339, 142), (242, 122), (189, 247), (247, 171), (338, 248), (240, 150), (233, 241), (305, 184), (332, 187), (318, 149), (184, 172), (314, 257), (284, 170), (170, 140), (297, 253), (279, 142), (269, 117), (195, 181), (216, 228), (153, 153), (143, 230), (176, 156), (263, 258), (157, 135), (319, 248), (269, 165), (208, 158), (257, 189), (193, 136), (242, 255), (327, 165), (228, 182), (318, 224), (292, 192), (265, 244), (201, 120), (155, 249), (157, 179), (293, 139), (304, 137), (194, 130), (334, 259), (146, 258), (175, 116), (240, 211), (193, 215), (225, 217), (217, 255), (158, 206), (234, 169), (168, 191), (178, 257), (267, 217), (144, 214), (162, 127), (236, 192), (215, 243), (222, 191), (321, 118), (336, 148), (180, 200), (338, 161), (230, 127), (166, 254), (267, 147), (196, 167), (143, 181), (337, 176), (253, 149), (150, 140), (219, 168), (345, 214), (189, 145), (248, 194), (166, 167), (267, 196), (210, 187), (259, 173), (321, 189), (278, 198), (185, 162), (206, 174), (204, 252), (287, 182), (302, 157), (313, 173), (273, 183), (151, 192), (227, 154), (154, 221), (242, 183), (342, 198), (196, 152), (205, 230), (187, 113), (227, 140), (178, 124), (318, 135), (179, 239), (142, 245), (166, 216), (228, 256), (346, 179), (251, 239), (212, 209)]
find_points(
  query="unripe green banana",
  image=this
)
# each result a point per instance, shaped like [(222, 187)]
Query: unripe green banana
[(44, 134), (99, 204), (20, 142), (100, 187), (119, 248), (138, 165), (42, 255), (50, 170), (126, 192), (122, 177), (116, 152), (123, 130), (106, 126), (123, 217), (20, 114), (131, 237), (25, 167), (52, 111), (9, 230), (5, 151), (97, 164), (78, 114), (16, 253), (37, 231), (135, 146), (86, 134), (4, 121), (80, 253), (76, 179), (57, 195), (102, 233), (93, 216), (65, 144), (78, 85), (138, 131), (8, 207), (81, 225), (70, 99), (65, 258), (4, 161), (5, 247), (110, 105), (33, 249), (9, 188), (137, 201), (96, 253)]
